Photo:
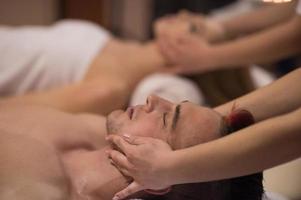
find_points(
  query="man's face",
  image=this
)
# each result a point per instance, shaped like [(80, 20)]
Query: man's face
[(181, 125)]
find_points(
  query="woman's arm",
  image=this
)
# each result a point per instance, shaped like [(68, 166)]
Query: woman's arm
[(258, 147), (269, 45), (154, 166), (215, 31), (258, 19), (250, 150), (282, 96), (191, 55)]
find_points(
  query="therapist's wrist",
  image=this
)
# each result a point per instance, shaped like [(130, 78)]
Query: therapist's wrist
[(219, 57), (173, 169), (223, 109), (210, 59), (215, 31), (169, 169)]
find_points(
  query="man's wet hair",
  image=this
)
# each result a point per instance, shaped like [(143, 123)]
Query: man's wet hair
[(248, 187)]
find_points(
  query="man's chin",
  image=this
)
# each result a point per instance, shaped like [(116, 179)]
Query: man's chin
[(112, 124), (115, 113)]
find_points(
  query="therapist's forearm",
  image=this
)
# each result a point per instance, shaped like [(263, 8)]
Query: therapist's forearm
[(266, 46), (248, 151), (280, 97), (258, 19)]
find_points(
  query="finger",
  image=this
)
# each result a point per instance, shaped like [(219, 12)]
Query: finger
[(123, 171), (138, 140), (173, 41), (164, 50), (169, 49), (119, 141), (119, 159), (129, 190), (159, 192), (184, 38)]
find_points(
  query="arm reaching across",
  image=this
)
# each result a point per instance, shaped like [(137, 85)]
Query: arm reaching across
[(282, 96), (257, 19), (265, 145), (215, 31), (191, 54), (219, 159), (246, 151)]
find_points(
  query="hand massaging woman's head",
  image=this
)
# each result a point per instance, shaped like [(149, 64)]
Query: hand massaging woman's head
[(181, 125)]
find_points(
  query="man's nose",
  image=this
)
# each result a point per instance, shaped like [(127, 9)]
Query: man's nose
[(154, 102)]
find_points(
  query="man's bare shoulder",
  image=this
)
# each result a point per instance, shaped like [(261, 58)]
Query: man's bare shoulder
[(97, 125), (93, 120)]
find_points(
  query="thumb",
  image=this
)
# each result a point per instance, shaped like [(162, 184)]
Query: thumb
[(137, 140), (188, 39), (129, 190)]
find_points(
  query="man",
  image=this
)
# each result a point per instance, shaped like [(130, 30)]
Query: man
[(48, 154)]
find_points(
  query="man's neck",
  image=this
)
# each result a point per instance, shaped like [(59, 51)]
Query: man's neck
[(92, 175)]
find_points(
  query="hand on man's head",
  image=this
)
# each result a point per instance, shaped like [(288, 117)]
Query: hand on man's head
[(136, 160)]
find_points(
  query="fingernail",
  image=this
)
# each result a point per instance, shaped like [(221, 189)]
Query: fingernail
[(126, 136), (115, 198)]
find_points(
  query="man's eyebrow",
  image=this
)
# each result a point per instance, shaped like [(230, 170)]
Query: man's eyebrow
[(176, 116)]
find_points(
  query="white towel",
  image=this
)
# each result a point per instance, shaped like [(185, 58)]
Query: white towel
[(34, 58), (170, 87)]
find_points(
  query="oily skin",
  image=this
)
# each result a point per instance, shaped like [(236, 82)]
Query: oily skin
[(71, 148)]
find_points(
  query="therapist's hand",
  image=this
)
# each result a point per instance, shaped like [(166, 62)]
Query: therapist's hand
[(186, 21), (186, 53), (171, 25), (181, 23), (146, 160)]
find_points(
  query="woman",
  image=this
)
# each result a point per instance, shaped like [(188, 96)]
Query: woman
[(75, 66)]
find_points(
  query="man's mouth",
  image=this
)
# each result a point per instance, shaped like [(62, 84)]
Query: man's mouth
[(130, 112)]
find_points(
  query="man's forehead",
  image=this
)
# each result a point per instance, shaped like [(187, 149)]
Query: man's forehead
[(193, 115), (193, 109)]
